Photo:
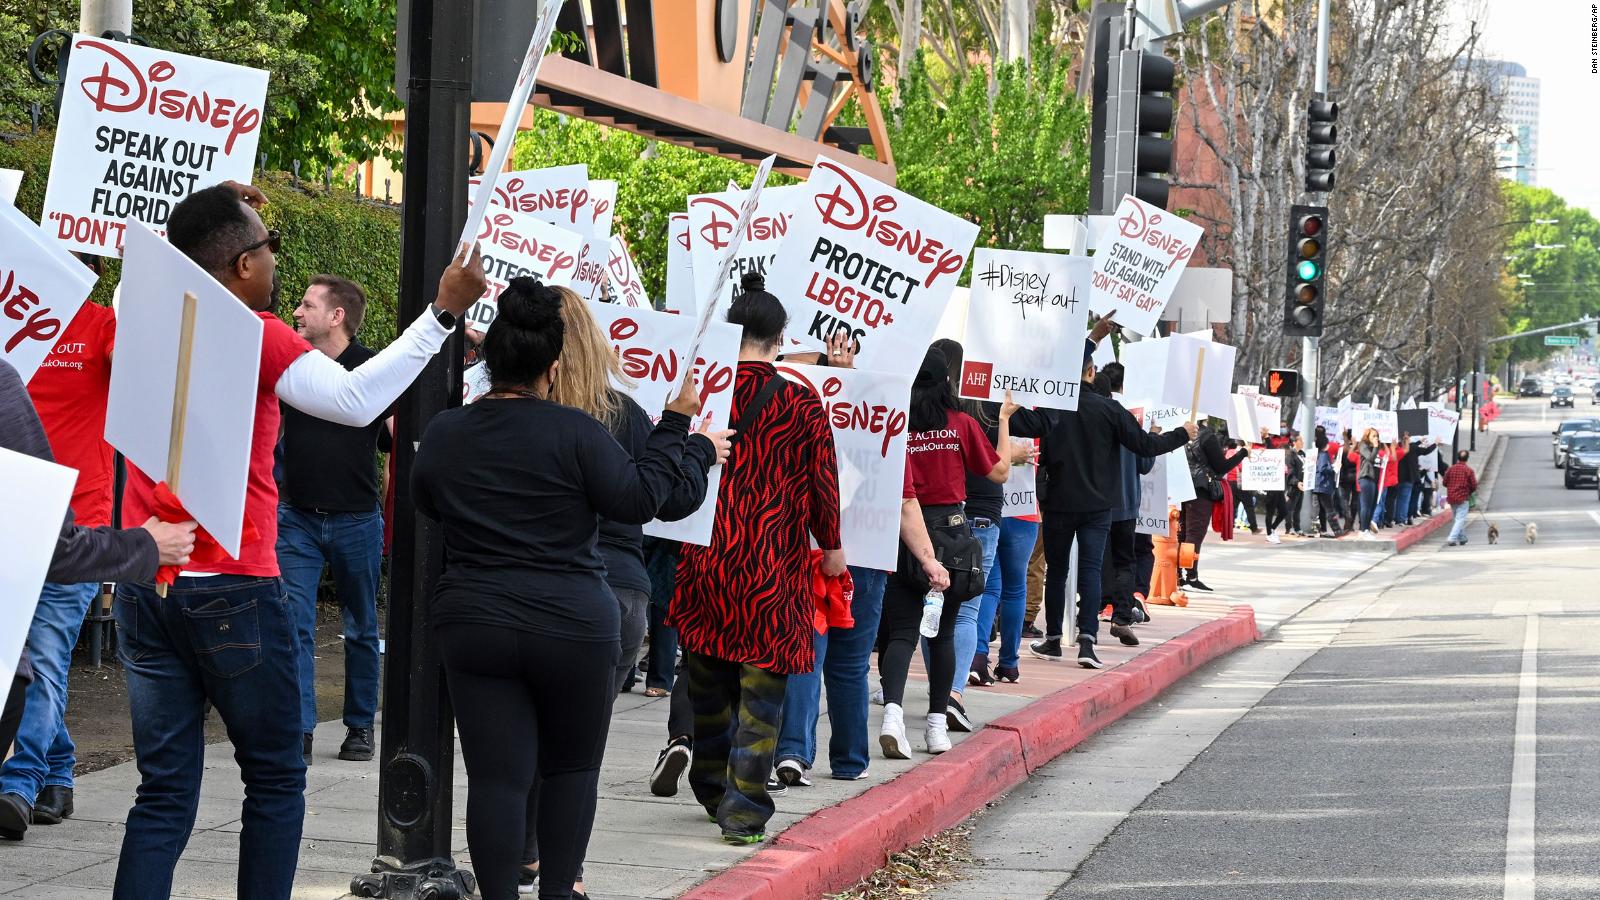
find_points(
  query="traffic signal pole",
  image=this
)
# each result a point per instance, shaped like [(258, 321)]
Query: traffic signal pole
[(1311, 347)]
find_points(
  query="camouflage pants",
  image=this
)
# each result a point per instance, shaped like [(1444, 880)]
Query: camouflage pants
[(737, 712)]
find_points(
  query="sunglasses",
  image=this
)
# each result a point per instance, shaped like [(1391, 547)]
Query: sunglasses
[(273, 242)]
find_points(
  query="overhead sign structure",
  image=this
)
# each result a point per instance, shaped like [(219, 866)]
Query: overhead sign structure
[(37, 494), (42, 287), (876, 261), (152, 415), (868, 412), (651, 346), (139, 130), (1560, 340), (1136, 272), (516, 245), (1026, 323)]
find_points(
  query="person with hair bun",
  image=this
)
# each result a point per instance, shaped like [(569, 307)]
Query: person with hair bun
[(743, 606), (526, 624)]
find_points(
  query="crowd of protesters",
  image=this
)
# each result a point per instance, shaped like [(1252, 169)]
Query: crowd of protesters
[(551, 592)]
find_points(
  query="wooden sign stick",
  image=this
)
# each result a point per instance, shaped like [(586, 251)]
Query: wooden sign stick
[(180, 402), (1199, 374)]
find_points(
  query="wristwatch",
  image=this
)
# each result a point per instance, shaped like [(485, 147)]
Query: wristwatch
[(446, 318)]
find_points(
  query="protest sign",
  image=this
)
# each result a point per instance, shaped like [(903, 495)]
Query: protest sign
[(953, 324), (10, 183), (37, 494), (1105, 353), (1180, 486), (1263, 471), (1328, 418), (521, 92), (139, 130), (625, 276), (1163, 371), (1135, 273), (1442, 425), (149, 419), (706, 300), (1021, 497), (868, 412), (42, 287), (558, 195), (1384, 420), (864, 256), (711, 221), (1414, 422), (1026, 325), (1153, 502), (680, 269), (1242, 423), (1269, 414), (517, 245), (590, 280), (1347, 408), (651, 346)]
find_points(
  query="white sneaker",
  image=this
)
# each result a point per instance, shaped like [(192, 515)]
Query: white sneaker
[(1272, 538), (792, 773), (877, 696), (938, 734), (893, 736)]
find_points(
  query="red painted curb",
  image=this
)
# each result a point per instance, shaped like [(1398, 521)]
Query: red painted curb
[(1416, 534), (838, 846)]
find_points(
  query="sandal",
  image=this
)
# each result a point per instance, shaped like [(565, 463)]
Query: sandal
[(656, 692)]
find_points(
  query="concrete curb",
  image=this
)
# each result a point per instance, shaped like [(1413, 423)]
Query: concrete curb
[(838, 846)]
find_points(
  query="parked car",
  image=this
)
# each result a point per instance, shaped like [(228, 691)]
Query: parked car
[(1529, 388), (1561, 396), (1583, 459), (1566, 430)]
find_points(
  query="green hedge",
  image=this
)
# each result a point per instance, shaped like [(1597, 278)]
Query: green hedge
[(324, 231)]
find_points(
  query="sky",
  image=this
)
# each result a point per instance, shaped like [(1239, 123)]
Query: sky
[(1551, 39)]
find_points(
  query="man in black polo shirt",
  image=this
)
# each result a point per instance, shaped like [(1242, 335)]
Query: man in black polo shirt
[(329, 514)]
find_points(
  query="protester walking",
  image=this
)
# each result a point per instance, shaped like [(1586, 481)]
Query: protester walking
[(1121, 560), (1460, 484), (743, 606), (329, 516), (1208, 466), (242, 660), (526, 624)]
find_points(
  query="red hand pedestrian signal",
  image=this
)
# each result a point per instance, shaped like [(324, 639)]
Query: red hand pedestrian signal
[(1283, 383)]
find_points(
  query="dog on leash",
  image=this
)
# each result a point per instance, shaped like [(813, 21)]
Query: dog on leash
[(1494, 533), (1531, 533)]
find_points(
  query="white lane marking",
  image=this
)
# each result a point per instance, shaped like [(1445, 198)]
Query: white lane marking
[(1595, 516), (1524, 772)]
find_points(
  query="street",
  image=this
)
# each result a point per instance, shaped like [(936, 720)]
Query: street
[(1419, 732)]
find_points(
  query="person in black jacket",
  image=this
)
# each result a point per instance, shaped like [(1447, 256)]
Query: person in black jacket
[(1207, 465), (525, 622), (1083, 461)]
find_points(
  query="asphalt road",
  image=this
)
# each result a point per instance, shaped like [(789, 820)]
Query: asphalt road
[(1427, 731)]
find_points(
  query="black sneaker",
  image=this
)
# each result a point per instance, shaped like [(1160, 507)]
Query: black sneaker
[(1032, 632), (1086, 655), (955, 717), (1124, 634), (528, 880), (357, 746), (669, 766), (305, 747), (979, 674), (1198, 585), (776, 787), (1048, 650)]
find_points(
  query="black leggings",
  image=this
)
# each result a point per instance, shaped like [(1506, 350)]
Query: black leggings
[(11, 719), (898, 637), (523, 703)]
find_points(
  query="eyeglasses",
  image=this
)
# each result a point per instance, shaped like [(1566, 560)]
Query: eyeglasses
[(273, 242)]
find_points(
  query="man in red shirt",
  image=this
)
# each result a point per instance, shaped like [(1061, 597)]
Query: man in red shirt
[(225, 633), (69, 390), (1460, 483)]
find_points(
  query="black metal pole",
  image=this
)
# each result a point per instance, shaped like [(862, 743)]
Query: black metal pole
[(417, 753)]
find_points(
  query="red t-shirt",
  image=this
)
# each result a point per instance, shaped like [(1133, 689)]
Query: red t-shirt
[(70, 391), (937, 462), (280, 346)]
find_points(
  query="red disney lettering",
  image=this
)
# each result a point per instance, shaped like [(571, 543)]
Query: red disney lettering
[(518, 196), (848, 207), (1137, 226), (714, 379), (497, 232), (127, 90), (15, 300)]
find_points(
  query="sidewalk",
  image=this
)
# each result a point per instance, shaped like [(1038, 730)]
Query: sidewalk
[(645, 846)]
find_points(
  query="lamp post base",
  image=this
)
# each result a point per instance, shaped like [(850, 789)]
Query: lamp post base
[(433, 879)]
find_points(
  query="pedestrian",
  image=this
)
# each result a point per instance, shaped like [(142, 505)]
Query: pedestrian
[(1121, 553), (526, 625), (1393, 454), (943, 445), (244, 661), (1324, 489), (1349, 483), (1294, 492), (1460, 484), (329, 516), (1365, 456), (69, 391), (83, 555), (1084, 464), (1408, 450), (1036, 566), (743, 605), (1208, 467)]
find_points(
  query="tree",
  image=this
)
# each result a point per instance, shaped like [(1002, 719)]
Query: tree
[(1558, 260)]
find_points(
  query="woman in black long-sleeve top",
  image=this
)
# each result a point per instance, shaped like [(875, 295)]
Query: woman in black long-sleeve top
[(526, 625), (1205, 455)]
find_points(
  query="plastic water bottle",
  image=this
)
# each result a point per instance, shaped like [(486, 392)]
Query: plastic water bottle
[(932, 610)]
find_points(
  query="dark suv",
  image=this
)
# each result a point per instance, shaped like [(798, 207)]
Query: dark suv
[(1561, 396), (1583, 459), (1530, 388)]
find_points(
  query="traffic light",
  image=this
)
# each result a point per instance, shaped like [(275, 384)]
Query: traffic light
[(1131, 119), (1322, 132), (1153, 120), (1283, 383), (1307, 271)]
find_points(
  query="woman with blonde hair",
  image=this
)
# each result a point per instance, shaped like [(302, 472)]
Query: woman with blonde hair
[(1365, 456)]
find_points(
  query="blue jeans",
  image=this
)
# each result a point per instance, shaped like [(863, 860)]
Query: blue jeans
[(1458, 530), (661, 562), (352, 545), (44, 754), (844, 658), (1091, 530), (1369, 501), (966, 639), (229, 640), (1007, 589), (1402, 502)]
